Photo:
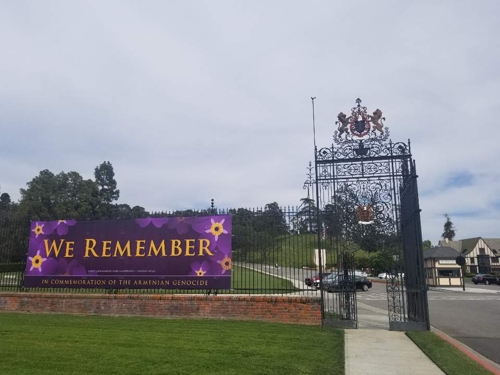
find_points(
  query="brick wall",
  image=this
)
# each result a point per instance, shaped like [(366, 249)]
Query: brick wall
[(297, 310)]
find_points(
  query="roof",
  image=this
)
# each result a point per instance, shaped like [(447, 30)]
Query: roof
[(441, 253), (493, 244), (467, 245), (457, 245)]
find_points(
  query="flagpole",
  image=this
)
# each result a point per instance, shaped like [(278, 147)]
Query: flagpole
[(314, 123)]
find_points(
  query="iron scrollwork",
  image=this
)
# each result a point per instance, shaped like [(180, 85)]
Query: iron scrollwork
[(362, 181)]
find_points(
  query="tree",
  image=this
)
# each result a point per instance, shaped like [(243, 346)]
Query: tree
[(62, 196), (427, 244), (6, 206), (449, 229), (307, 221), (4, 199), (271, 220), (108, 193)]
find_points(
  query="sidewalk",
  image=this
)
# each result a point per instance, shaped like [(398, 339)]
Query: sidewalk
[(374, 352), (467, 290)]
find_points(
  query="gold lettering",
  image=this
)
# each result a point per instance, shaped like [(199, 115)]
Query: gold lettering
[(106, 246), (155, 250), (176, 249), (89, 247), (189, 246), (53, 247), (204, 244), (121, 250), (69, 248), (139, 247)]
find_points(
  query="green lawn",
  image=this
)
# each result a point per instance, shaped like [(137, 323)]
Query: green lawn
[(243, 281), (448, 358), (74, 345)]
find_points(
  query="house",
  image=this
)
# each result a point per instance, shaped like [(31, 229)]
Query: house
[(481, 254), (441, 268)]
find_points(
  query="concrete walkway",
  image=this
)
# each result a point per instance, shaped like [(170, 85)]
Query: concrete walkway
[(374, 352)]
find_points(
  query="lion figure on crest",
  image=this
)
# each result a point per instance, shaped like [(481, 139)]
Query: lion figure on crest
[(343, 123), (376, 120)]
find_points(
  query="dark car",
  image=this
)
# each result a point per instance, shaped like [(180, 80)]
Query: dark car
[(484, 278), (335, 284), (310, 280)]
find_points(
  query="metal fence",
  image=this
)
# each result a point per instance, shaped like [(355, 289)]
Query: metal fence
[(273, 252)]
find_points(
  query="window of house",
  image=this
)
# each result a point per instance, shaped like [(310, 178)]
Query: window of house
[(481, 251), (449, 273), (429, 273), (473, 269), (472, 260), (494, 260)]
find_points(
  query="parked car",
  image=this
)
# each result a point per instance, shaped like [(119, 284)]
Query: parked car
[(330, 277), (387, 275), (334, 284), (484, 278), (310, 280)]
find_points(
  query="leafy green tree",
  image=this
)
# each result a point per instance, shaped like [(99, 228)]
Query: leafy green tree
[(427, 244), (242, 217), (5, 199), (271, 220), (382, 261), (7, 208), (448, 229), (138, 212), (62, 196)]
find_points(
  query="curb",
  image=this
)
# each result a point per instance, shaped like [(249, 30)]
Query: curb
[(471, 353)]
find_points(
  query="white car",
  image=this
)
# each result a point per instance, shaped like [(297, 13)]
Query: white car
[(386, 275)]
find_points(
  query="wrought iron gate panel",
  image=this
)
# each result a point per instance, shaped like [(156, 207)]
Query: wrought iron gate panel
[(416, 314), (366, 194)]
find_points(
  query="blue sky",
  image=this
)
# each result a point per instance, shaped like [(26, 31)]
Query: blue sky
[(211, 99)]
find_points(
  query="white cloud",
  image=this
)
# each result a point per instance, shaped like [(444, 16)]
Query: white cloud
[(205, 100)]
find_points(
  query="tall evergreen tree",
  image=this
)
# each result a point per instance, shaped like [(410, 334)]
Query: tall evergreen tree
[(108, 193), (448, 229)]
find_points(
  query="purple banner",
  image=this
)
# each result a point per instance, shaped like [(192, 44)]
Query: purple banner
[(150, 253)]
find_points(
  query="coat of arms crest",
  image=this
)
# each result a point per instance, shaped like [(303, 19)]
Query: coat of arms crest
[(359, 123)]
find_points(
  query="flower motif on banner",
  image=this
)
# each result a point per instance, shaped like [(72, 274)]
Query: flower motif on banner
[(181, 224), (73, 268), (222, 261), (63, 226), (38, 229), (217, 228), (199, 269), (157, 222), (225, 264), (37, 261), (213, 229), (42, 229)]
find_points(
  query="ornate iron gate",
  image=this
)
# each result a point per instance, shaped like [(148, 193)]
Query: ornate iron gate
[(367, 199)]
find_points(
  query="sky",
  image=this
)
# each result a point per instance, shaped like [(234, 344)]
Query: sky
[(196, 100)]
